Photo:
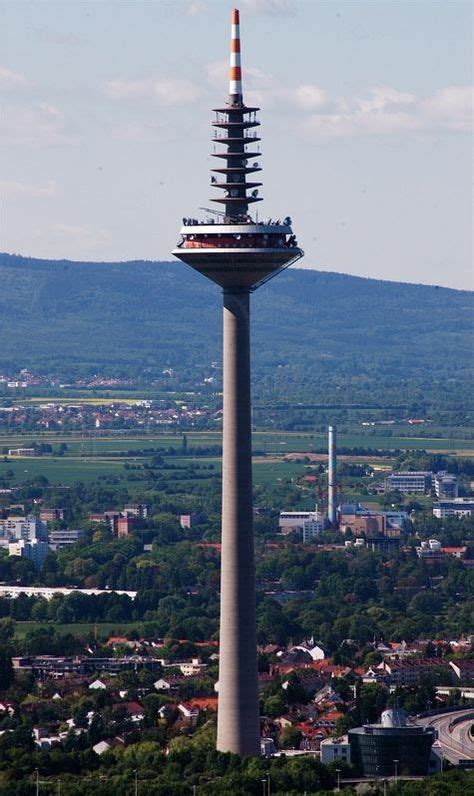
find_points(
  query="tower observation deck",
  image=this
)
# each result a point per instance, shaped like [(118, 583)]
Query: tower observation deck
[(239, 254)]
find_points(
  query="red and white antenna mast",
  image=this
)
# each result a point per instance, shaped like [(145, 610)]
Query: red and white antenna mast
[(235, 75)]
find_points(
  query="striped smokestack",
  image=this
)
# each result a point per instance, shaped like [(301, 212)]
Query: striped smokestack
[(235, 76), (332, 476)]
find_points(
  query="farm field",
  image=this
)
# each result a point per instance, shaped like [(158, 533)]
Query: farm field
[(124, 458), (265, 441)]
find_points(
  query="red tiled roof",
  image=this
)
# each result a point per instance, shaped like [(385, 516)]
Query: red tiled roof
[(204, 703), (332, 715), (130, 707)]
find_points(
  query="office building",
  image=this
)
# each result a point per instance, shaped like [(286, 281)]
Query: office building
[(392, 748), (410, 483), (459, 507)]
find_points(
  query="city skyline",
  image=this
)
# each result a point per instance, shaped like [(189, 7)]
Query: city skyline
[(96, 99)]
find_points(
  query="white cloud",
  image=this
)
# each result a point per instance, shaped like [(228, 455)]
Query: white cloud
[(453, 106), (51, 36), (134, 132), (86, 234), (384, 110), (38, 124), (309, 96), (50, 110), (196, 7), (12, 81), (66, 240), (14, 189), (382, 97), (274, 8), (167, 91)]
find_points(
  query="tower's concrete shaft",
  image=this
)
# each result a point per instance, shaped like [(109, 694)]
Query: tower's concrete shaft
[(238, 727), (332, 476)]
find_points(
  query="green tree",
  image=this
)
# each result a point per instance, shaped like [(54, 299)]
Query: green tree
[(7, 674), (290, 738)]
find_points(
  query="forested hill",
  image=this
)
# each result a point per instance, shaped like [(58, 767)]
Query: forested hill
[(310, 327)]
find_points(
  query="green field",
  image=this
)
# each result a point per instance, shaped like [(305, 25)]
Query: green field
[(267, 441), (61, 470), (90, 458)]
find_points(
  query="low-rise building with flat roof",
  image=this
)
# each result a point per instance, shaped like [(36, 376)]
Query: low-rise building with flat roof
[(335, 750), (64, 537), (22, 451), (458, 507)]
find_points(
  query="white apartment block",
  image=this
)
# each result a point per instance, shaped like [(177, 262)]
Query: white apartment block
[(26, 528), (411, 483), (335, 750), (459, 507)]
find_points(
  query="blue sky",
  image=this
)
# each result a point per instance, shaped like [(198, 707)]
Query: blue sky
[(366, 127)]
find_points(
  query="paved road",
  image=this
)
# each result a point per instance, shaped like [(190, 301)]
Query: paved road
[(454, 739)]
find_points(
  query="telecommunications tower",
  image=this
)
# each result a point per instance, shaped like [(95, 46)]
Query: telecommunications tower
[(239, 254)]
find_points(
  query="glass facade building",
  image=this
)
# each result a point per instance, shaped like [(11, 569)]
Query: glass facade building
[(377, 750)]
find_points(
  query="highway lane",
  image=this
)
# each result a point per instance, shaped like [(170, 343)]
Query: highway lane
[(453, 738)]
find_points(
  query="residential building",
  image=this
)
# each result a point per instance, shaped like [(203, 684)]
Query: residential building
[(189, 520), (35, 551), (109, 518), (445, 485), (131, 710), (49, 515), (456, 552), (189, 668), (463, 669), (139, 510), (430, 548), (411, 483), (410, 671), (26, 528), (63, 537), (125, 525), (458, 507), (189, 712), (335, 750), (61, 666)]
